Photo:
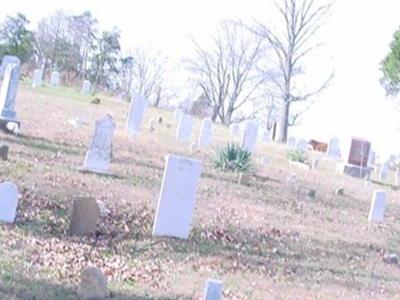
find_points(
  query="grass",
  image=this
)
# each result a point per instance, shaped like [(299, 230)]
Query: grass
[(260, 239)]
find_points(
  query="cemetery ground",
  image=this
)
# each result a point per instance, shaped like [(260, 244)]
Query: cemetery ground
[(264, 240)]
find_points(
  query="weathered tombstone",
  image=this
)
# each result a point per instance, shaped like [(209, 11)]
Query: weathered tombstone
[(37, 78), (205, 133), (4, 152), (98, 156), (383, 172), (184, 130), (333, 150), (5, 61), (177, 114), (301, 145), (177, 197), (8, 201), (291, 142), (86, 87), (235, 130), (8, 93), (244, 179), (377, 209), (93, 284), (250, 134), (137, 107), (84, 218), (356, 164), (55, 78), (213, 290)]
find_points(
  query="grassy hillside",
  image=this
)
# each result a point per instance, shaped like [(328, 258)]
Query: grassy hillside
[(264, 240)]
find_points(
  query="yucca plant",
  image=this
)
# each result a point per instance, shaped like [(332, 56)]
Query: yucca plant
[(297, 155), (233, 158)]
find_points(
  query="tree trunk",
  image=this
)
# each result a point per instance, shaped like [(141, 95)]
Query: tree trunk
[(215, 114), (283, 123)]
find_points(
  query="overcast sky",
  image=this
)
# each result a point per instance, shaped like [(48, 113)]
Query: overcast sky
[(356, 38)]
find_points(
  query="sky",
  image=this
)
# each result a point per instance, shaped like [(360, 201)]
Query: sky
[(355, 39)]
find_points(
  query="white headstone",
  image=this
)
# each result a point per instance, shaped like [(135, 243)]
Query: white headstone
[(55, 78), (383, 172), (8, 201), (177, 197), (291, 142), (184, 131), (333, 150), (6, 60), (205, 133), (301, 145), (137, 107), (86, 87), (8, 92), (250, 134), (177, 114), (213, 290), (98, 156), (235, 130), (37, 78), (377, 209)]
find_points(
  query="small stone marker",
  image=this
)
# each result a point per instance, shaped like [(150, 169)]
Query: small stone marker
[(377, 209), (250, 134), (8, 201), (86, 87), (98, 156), (184, 131), (333, 150), (8, 93), (205, 133), (384, 171), (244, 179), (4, 152), (177, 197), (55, 78), (213, 290), (5, 61), (137, 108), (235, 130), (93, 284), (37, 78), (84, 218)]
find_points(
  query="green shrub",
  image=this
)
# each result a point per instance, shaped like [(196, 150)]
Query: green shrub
[(297, 155), (234, 158)]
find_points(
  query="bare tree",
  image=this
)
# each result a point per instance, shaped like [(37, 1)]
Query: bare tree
[(301, 19), (227, 73)]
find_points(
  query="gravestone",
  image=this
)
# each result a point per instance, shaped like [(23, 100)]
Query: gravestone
[(8, 201), (333, 150), (55, 78), (244, 179), (84, 218), (184, 130), (37, 78), (4, 152), (383, 172), (356, 163), (93, 284), (5, 61), (137, 107), (177, 197), (291, 142), (301, 145), (205, 133), (98, 156), (213, 290), (177, 114), (235, 130), (314, 163), (86, 87), (377, 209), (8, 93), (250, 134)]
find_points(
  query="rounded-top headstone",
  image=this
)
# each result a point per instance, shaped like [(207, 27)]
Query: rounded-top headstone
[(93, 284)]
